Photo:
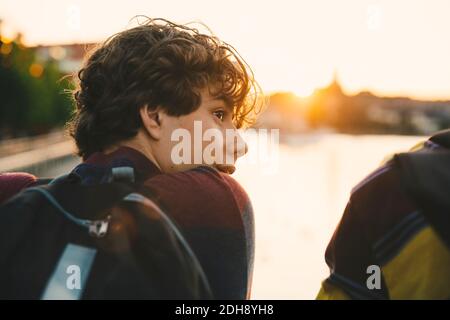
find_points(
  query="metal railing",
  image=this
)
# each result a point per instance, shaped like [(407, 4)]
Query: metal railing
[(45, 155)]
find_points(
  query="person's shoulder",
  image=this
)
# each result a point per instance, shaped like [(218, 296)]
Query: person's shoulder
[(202, 186), (223, 179), (380, 201), (205, 178), (386, 177), (12, 183), (374, 179)]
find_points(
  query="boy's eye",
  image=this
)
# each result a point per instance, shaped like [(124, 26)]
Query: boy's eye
[(219, 114)]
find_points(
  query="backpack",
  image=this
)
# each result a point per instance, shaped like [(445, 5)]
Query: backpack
[(425, 176), (66, 240)]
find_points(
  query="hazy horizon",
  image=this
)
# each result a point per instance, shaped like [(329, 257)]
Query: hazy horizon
[(390, 48)]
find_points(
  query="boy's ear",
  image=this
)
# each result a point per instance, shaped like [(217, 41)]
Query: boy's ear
[(151, 120)]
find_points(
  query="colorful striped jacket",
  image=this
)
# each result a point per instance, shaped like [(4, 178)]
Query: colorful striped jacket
[(393, 241)]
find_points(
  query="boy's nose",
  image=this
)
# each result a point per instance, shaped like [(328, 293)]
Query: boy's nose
[(234, 149), (240, 146), (244, 149)]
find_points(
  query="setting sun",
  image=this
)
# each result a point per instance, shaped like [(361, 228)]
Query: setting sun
[(304, 92)]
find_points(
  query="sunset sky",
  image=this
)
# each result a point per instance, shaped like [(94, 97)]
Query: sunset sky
[(392, 47)]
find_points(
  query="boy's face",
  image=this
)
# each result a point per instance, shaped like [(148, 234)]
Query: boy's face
[(206, 136)]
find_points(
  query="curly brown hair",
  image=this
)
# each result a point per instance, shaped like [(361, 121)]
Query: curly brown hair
[(157, 63)]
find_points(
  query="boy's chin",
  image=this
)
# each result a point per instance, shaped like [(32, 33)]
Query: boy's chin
[(225, 168)]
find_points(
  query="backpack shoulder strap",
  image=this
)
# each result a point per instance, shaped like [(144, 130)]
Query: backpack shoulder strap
[(42, 182)]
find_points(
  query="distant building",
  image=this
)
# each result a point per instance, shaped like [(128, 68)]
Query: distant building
[(330, 107), (69, 57), (285, 112)]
